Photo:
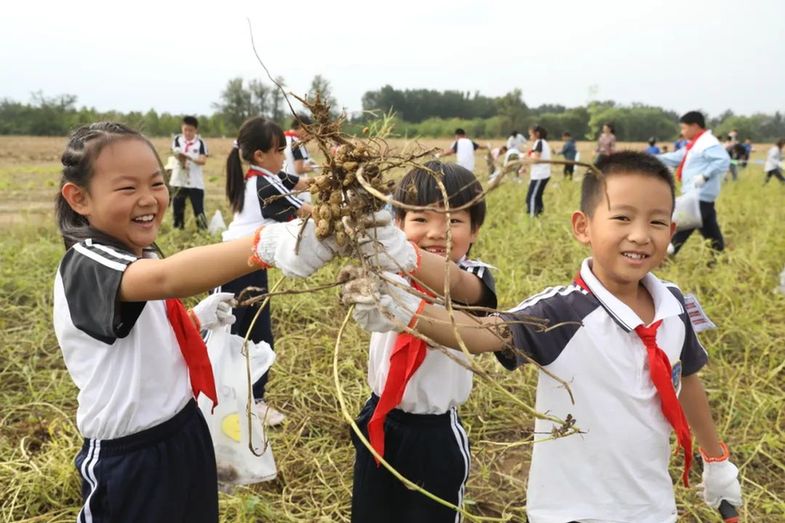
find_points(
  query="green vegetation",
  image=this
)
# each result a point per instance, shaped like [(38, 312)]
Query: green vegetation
[(745, 378)]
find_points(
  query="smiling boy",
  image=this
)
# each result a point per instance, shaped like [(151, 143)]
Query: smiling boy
[(625, 345)]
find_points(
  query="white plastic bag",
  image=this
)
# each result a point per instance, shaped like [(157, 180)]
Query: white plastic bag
[(228, 424), (687, 211), (217, 224)]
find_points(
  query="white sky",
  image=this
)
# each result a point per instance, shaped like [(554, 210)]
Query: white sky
[(178, 56)]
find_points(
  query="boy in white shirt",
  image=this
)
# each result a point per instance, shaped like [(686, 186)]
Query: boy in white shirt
[(463, 148), (623, 341), (187, 179)]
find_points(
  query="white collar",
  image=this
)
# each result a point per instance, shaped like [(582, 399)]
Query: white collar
[(665, 303), (262, 170)]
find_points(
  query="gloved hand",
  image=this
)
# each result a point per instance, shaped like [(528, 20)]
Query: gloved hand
[(380, 304), (385, 246), (215, 311), (720, 481), (277, 242), (699, 181)]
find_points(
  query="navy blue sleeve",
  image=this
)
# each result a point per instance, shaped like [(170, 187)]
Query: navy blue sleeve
[(202, 147), (693, 355), (483, 272), (538, 147), (454, 146), (91, 275), (474, 144), (297, 153), (543, 325), (276, 199)]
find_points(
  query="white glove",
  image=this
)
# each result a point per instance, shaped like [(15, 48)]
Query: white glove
[(385, 246), (381, 304), (215, 311), (721, 482), (277, 243), (699, 181)]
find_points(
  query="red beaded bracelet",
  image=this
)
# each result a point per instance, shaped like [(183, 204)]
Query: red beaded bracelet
[(254, 260), (725, 454)]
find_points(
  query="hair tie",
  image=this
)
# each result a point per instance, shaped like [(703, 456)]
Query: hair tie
[(235, 145)]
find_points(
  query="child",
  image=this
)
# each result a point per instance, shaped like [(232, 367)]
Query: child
[(463, 148), (570, 151), (625, 345), (652, 149), (261, 195), (606, 143), (422, 436), (129, 345), (540, 172), (773, 159), (187, 178)]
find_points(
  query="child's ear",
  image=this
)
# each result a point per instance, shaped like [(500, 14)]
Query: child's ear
[(673, 229), (77, 198), (258, 157), (580, 227)]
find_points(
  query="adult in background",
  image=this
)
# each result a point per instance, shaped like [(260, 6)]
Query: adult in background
[(701, 165), (463, 148), (606, 143), (516, 141), (653, 148), (773, 159), (569, 150), (187, 179)]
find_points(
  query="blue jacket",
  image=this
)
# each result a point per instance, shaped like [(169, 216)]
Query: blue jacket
[(707, 158)]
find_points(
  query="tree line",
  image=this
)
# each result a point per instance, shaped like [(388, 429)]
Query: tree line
[(418, 112)]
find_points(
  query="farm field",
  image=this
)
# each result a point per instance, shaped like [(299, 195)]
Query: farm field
[(745, 378)]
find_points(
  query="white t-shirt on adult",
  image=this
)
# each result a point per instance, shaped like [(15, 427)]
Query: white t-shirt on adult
[(516, 142), (464, 152), (773, 159)]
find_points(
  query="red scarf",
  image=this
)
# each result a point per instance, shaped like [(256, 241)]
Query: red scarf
[(193, 349), (256, 172), (406, 357), (687, 148), (661, 375), (290, 134)]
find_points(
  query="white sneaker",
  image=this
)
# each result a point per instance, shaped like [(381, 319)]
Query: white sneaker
[(269, 415)]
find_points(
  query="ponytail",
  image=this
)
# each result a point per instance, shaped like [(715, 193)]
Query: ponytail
[(235, 181), (256, 134)]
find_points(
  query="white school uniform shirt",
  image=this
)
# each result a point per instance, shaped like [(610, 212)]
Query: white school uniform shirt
[(268, 199), (516, 142), (193, 175), (541, 171), (773, 159), (293, 152), (439, 384), (617, 471), (123, 356), (464, 152)]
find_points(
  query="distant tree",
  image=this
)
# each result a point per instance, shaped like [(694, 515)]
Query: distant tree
[(514, 110), (260, 98), (236, 104), (278, 107), (321, 85)]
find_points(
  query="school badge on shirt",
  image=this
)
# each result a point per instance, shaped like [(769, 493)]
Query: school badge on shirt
[(676, 376), (700, 321)]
